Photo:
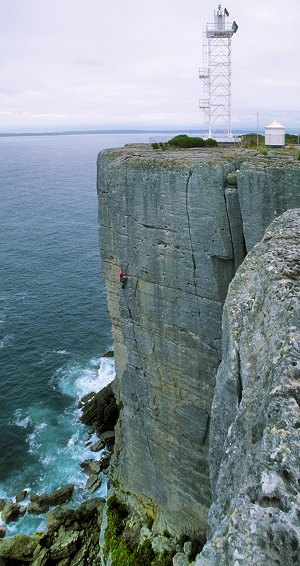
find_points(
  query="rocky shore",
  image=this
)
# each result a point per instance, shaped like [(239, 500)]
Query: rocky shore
[(71, 536)]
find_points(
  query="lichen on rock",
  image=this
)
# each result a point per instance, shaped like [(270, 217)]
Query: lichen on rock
[(254, 443)]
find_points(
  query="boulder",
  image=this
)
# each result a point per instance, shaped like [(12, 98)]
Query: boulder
[(21, 496), (2, 532), (38, 504), (65, 545), (108, 437), (180, 559), (85, 399), (10, 512), (61, 495), (93, 483), (58, 517), (2, 503), (99, 445), (91, 466), (88, 509), (101, 412), (109, 354), (17, 550)]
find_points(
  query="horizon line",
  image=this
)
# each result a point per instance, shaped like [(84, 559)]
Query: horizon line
[(116, 131)]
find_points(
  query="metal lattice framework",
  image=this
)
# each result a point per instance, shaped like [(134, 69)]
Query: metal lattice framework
[(216, 72)]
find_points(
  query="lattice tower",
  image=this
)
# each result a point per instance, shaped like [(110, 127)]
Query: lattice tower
[(216, 72)]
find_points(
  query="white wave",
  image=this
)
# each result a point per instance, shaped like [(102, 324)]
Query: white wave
[(61, 352), (20, 420), (76, 381), (6, 341)]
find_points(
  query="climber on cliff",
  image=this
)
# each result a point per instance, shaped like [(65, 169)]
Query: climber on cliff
[(123, 278)]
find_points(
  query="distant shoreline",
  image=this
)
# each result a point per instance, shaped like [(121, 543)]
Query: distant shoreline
[(238, 132), (82, 132)]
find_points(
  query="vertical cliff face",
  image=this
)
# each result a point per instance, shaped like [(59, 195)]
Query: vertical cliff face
[(179, 223), (254, 443)]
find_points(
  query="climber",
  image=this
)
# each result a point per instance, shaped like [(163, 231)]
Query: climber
[(123, 278)]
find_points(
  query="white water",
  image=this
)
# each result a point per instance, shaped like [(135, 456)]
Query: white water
[(57, 442)]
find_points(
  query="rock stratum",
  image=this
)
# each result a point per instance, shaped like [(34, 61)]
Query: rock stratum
[(180, 223)]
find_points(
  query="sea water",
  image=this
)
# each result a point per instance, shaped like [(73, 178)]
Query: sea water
[(54, 323)]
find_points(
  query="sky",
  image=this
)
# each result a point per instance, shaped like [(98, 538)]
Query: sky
[(134, 64)]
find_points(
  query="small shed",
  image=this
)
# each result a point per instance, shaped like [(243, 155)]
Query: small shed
[(275, 134)]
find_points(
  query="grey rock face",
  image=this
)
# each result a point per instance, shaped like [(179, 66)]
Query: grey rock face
[(254, 444), (166, 221)]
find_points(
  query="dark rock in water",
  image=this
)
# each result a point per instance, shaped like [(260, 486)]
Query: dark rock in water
[(2, 532), (10, 512), (99, 445), (85, 399), (109, 354), (91, 466), (101, 412), (108, 437), (105, 460), (94, 482), (21, 496), (61, 495), (2, 503), (38, 504)]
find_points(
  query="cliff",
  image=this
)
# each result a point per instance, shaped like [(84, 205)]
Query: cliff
[(254, 443), (179, 223)]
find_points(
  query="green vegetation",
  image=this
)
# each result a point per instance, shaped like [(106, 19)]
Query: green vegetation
[(182, 140), (185, 141), (165, 558), (263, 150), (250, 140), (121, 541), (210, 142), (298, 155), (123, 551), (291, 139)]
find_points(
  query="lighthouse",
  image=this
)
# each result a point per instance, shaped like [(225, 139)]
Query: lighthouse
[(216, 73)]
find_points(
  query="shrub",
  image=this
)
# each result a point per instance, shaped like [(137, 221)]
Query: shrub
[(121, 544), (113, 504), (182, 140), (262, 151), (155, 145), (210, 142), (144, 554), (165, 559), (163, 145), (177, 141), (250, 140)]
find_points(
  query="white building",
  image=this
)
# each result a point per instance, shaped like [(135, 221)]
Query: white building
[(275, 134)]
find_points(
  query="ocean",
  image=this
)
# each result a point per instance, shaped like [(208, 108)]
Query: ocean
[(54, 323)]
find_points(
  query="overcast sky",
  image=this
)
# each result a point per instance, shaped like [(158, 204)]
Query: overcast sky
[(115, 64)]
